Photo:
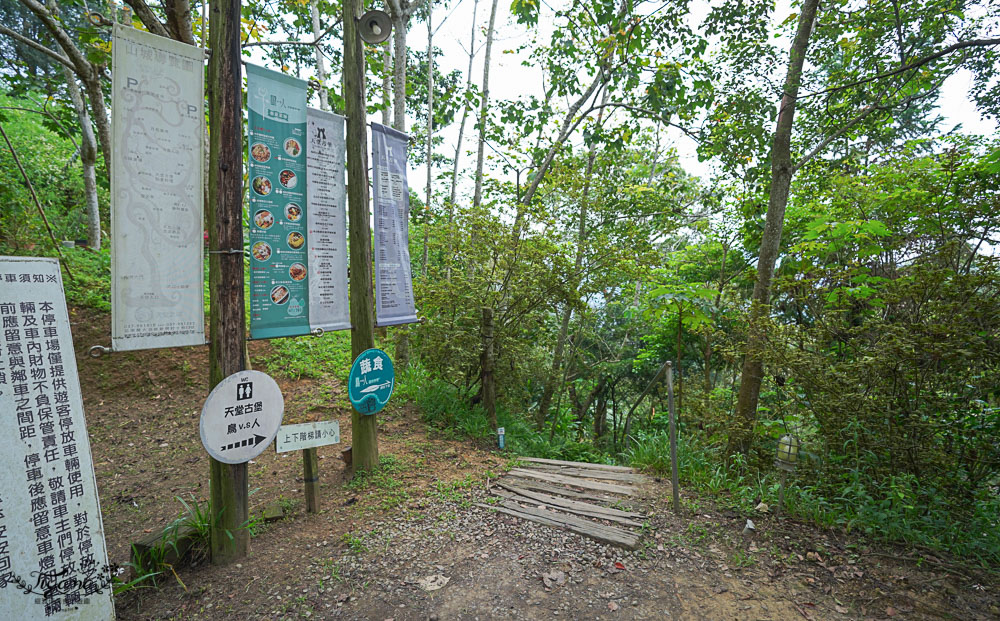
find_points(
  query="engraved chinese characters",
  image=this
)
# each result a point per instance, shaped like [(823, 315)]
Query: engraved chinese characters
[(53, 561), (157, 192)]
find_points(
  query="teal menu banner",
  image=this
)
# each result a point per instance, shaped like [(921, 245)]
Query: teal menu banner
[(279, 275)]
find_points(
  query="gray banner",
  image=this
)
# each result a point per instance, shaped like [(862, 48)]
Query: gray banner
[(393, 279), (157, 183), (327, 221)]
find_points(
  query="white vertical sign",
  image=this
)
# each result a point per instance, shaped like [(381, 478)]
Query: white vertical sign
[(53, 561), (327, 221), (157, 185), (393, 278)]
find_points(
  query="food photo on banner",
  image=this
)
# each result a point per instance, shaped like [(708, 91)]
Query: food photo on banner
[(279, 273)]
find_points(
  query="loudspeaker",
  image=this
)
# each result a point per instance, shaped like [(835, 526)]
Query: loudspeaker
[(374, 26)]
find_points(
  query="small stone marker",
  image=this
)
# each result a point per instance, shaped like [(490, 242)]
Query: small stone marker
[(500, 438), (370, 383), (307, 435), (241, 417)]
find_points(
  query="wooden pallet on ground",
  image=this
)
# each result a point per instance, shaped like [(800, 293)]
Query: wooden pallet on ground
[(574, 496)]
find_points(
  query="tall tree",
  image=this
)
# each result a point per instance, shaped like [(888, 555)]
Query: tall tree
[(484, 102), (781, 178)]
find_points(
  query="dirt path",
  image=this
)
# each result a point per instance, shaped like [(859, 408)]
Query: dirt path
[(366, 554)]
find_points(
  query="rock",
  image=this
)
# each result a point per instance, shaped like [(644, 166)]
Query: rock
[(553, 578), (432, 583), (762, 507)]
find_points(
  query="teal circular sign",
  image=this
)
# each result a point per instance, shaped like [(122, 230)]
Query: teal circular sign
[(370, 383)]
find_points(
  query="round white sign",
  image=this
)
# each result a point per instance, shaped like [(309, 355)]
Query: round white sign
[(241, 417)]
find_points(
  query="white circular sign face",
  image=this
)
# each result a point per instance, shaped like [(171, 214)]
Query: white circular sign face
[(241, 417)]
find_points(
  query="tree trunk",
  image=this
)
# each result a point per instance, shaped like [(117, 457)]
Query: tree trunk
[(430, 137), (400, 19), (484, 109), (458, 146), (488, 364), (581, 236), (542, 414), (601, 415), (227, 326), (741, 433), (324, 100), (88, 158), (680, 334), (564, 132), (363, 427), (99, 112), (387, 83)]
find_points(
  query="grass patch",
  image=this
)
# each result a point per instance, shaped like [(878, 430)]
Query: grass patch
[(311, 357)]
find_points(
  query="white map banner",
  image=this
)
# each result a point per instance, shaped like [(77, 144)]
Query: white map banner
[(326, 219), (393, 278), (53, 560), (157, 181)]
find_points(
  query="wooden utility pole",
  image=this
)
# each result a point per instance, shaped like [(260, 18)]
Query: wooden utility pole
[(363, 427), (227, 329)]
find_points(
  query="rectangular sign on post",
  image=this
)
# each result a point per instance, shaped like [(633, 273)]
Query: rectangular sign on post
[(157, 192), (53, 560), (393, 279), (327, 221), (307, 435)]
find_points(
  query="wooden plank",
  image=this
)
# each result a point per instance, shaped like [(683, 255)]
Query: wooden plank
[(590, 473), (581, 483), (564, 491), (574, 510), (565, 502), (604, 534), (576, 464)]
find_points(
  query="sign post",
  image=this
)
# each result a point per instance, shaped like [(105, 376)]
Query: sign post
[(227, 323), (307, 437), (363, 428)]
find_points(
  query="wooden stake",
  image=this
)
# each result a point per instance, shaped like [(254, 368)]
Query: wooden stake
[(673, 439), (310, 475), (227, 326), (363, 427)]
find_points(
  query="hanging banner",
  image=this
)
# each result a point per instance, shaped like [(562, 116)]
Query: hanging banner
[(157, 185), (393, 279), (279, 251), (326, 222), (53, 560)]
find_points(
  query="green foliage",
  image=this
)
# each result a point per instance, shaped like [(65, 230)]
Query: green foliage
[(51, 163), (312, 357), (444, 409)]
